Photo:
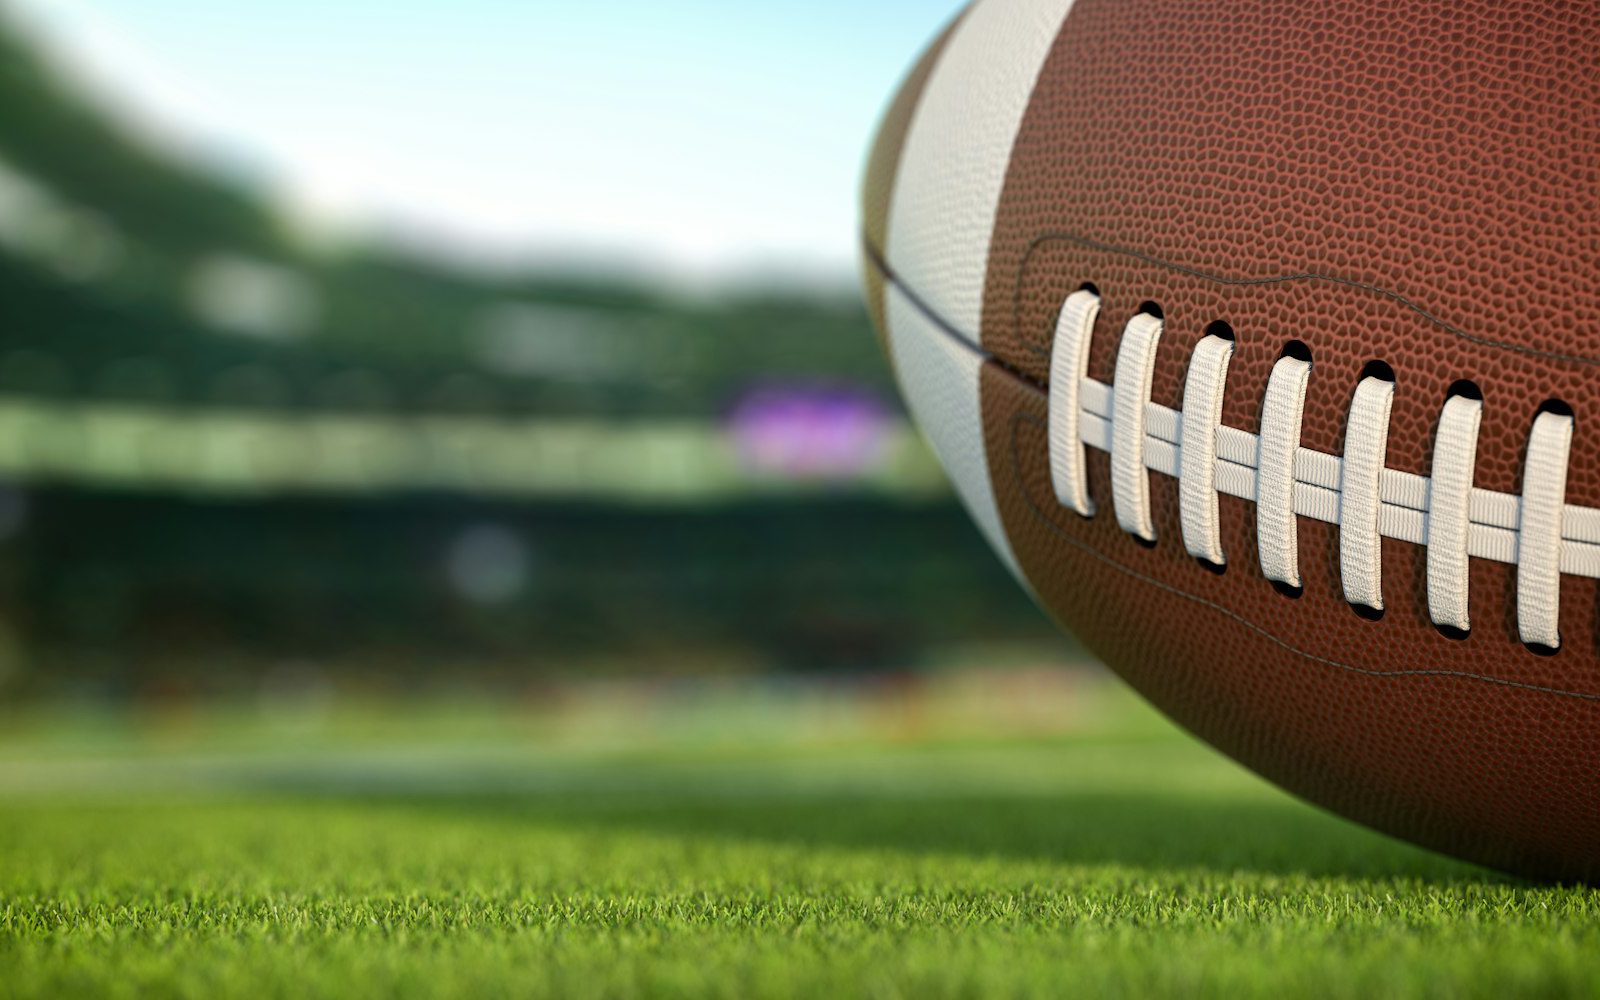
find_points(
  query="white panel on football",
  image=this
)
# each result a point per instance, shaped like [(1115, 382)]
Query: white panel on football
[(957, 149), (939, 376)]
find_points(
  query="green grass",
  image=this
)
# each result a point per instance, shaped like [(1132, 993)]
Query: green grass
[(1122, 859)]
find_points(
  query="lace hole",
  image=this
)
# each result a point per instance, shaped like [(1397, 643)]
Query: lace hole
[(1152, 309), (1466, 388), (1367, 612), (1452, 633), (1145, 543), (1091, 288), (1288, 590), (1215, 569), (1298, 350), (1376, 369), (1220, 328), (1540, 649)]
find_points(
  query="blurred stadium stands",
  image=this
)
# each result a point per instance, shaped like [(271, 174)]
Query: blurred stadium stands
[(223, 449)]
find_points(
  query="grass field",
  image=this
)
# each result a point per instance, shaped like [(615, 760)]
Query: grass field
[(441, 852)]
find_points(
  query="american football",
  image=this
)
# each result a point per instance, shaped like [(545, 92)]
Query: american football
[(1260, 340)]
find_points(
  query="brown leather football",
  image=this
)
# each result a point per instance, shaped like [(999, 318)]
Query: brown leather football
[(1261, 341)]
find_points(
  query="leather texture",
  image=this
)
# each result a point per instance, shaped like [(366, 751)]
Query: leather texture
[(1408, 182)]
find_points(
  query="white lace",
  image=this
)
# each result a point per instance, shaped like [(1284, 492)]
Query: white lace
[(1538, 532)]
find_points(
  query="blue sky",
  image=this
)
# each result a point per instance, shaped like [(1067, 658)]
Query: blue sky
[(704, 138)]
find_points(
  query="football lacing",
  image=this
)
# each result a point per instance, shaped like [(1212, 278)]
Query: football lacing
[(1538, 532)]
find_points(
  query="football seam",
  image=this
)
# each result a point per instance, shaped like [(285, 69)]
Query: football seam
[(1309, 276), (877, 259)]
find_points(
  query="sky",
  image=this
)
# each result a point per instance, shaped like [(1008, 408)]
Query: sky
[(702, 138)]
